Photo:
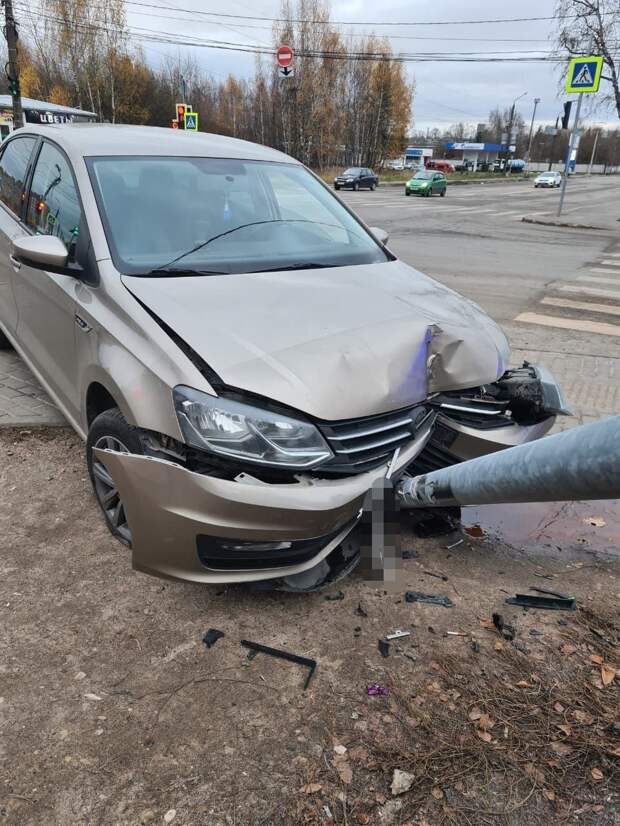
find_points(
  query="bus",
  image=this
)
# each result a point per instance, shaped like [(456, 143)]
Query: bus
[(40, 111)]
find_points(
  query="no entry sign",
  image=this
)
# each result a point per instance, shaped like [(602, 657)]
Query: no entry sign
[(284, 56)]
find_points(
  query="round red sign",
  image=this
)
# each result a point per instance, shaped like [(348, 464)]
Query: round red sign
[(284, 56)]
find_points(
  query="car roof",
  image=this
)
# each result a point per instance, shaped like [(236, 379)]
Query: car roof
[(95, 139)]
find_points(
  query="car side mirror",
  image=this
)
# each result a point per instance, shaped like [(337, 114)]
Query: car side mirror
[(380, 234), (43, 252)]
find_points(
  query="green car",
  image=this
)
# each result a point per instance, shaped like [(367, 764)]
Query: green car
[(426, 182)]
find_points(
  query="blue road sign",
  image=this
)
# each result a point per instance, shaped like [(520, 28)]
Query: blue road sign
[(191, 121), (584, 74)]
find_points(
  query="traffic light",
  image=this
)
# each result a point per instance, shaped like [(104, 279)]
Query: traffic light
[(14, 87), (181, 110), (567, 107)]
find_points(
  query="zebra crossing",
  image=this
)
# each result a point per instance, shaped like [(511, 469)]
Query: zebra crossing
[(589, 304)]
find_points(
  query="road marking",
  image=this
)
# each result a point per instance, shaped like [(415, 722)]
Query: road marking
[(510, 212), (569, 304), (570, 324), (611, 263), (598, 280), (603, 270), (591, 291)]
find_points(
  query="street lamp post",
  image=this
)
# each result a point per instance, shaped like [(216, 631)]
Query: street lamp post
[(529, 140), (510, 125)]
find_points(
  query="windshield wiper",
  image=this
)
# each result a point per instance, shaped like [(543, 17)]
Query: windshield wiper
[(180, 271), (304, 265)]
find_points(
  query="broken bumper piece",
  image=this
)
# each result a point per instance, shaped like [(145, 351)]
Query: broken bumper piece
[(196, 527)]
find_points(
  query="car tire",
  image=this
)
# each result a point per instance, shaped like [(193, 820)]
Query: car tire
[(373, 187), (337, 188), (443, 193), (356, 187), (407, 193), (5, 344), (111, 430)]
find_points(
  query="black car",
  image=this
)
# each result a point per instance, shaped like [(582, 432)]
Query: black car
[(355, 178)]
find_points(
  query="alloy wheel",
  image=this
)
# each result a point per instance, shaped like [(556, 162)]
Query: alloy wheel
[(106, 491)]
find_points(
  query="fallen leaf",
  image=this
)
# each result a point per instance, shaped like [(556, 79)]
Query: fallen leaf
[(595, 521), (486, 622), (583, 717), (597, 774), (616, 751), (596, 659), (475, 713), (566, 729), (358, 754), (345, 771), (363, 819), (559, 708), (485, 722), (549, 794), (561, 748), (435, 666), (597, 683), (437, 793), (568, 648), (312, 788), (484, 735), (523, 684), (499, 646), (536, 774), (608, 673)]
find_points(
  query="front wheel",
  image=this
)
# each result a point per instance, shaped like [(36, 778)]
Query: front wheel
[(5, 344), (336, 187), (372, 187), (356, 187), (443, 193), (110, 431), (407, 193)]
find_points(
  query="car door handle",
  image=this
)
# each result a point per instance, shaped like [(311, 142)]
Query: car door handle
[(16, 263)]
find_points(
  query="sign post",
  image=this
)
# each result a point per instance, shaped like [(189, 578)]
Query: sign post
[(584, 77)]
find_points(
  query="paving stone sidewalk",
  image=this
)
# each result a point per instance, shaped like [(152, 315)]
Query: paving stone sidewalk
[(23, 402)]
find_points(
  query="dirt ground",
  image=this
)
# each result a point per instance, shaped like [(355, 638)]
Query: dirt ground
[(113, 711)]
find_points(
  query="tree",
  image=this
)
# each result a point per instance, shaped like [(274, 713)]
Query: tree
[(593, 27)]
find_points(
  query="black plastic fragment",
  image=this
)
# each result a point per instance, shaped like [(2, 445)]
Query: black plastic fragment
[(212, 636), (431, 599), (507, 631), (549, 603), (551, 593), (384, 648), (409, 554), (257, 648)]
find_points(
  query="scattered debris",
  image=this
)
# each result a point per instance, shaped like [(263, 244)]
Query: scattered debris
[(257, 648), (456, 633), (543, 576), (551, 593), (212, 636), (431, 599), (474, 531), (550, 603), (401, 782), (475, 646), (311, 788), (411, 553), (397, 634), (170, 815), (507, 631), (427, 522), (357, 630), (534, 632), (437, 576), (454, 544), (384, 648), (520, 647), (334, 597), (595, 521), (375, 689), (361, 610)]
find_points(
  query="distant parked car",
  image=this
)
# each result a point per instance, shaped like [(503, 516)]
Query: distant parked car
[(426, 182), (440, 166), (396, 165), (548, 179), (464, 166), (356, 177)]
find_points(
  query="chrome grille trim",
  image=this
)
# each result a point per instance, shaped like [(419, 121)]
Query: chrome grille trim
[(373, 430), (404, 434), (484, 411)]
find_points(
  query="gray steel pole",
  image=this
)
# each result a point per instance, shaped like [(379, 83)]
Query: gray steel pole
[(569, 153), (581, 463), (529, 140), (10, 32), (592, 156)]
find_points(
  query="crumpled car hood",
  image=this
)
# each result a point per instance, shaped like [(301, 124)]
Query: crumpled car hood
[(336, 343)]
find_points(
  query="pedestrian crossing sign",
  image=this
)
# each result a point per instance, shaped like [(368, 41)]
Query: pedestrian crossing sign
[(191, 121), (584, 74)]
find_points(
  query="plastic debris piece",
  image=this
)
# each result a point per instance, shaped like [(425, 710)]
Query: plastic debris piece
[(550, 603), (410, 553), (431, 599), (376, 689), (361, 610), (507, 631), (256, 648), (212, 636), (384, 648), (454, 544), (397, 634)]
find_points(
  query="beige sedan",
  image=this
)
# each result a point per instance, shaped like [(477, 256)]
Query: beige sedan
[(243, 356)]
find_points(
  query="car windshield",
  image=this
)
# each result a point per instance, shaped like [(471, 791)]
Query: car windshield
[(423, 176), (167, 215), (354, 170)]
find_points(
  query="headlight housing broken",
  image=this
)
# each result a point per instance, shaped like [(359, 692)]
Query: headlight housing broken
[(247, 433)]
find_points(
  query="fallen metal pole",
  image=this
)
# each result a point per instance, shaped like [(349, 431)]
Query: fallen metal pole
[(581, 463)]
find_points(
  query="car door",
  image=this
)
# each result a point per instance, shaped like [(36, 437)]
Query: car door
[(441, 183), (15, 162), (46, 301)]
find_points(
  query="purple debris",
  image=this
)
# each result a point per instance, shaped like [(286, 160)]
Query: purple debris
[(375, 689)]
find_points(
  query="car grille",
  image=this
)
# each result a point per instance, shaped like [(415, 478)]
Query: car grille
[(482, 414), (362, 444)]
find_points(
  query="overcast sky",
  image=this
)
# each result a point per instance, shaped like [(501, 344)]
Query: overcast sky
[(445, 93)]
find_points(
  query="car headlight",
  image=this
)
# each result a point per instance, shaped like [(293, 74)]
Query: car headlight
[(247, 433), (424, 185)]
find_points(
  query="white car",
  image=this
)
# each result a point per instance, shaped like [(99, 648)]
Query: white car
[(548, 179)]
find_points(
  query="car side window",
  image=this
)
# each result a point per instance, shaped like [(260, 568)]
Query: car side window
[(13, 169), (53, 205)]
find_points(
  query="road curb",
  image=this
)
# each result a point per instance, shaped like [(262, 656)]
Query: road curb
[(550, 222)]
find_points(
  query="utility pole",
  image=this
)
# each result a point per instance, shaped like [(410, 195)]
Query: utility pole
[(12, 69), (571, 146), (591, 164), (529, 140), (510, 128)]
